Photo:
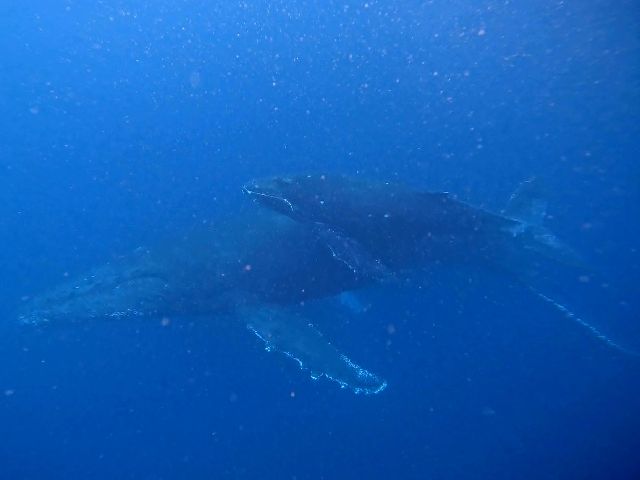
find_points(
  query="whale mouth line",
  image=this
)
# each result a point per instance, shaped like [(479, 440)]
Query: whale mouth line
[(255, 193)]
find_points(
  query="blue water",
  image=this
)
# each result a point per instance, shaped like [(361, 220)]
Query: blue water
[(123, 122)]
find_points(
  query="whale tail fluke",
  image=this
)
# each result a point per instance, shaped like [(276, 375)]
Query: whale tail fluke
[(532, 243), (528, 203), (527, 207)]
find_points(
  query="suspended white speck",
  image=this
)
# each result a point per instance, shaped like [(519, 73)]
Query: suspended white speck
[(195, 79)]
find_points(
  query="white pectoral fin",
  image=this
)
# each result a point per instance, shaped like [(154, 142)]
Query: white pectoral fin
[(589, 328), (351, 253), (289, 333)]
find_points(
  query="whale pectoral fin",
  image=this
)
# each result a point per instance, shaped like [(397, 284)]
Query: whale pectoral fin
[(353, 255), (286, 332), (590, 328)]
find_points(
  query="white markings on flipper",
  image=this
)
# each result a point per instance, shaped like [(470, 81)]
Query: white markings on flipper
[(593, 330), (274, 197), (288, 333)]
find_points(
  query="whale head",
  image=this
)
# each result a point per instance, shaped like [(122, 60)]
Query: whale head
[(106, 292), (301, 197)]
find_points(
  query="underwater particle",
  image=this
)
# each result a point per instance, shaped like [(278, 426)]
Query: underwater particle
[(391, 329), (488, 411), (195, 79), (247, 267), (9, 392), (292, 394), (481, 32), (165, 321)]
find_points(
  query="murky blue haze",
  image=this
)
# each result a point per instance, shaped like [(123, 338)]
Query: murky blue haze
[(126, 122)]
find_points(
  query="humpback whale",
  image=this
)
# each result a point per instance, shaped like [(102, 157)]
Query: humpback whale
[(253, 268), (378, 226), (320, 236), (379, 229)]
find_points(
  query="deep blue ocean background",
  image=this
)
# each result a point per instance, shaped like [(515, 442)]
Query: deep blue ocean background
[(124, 122)]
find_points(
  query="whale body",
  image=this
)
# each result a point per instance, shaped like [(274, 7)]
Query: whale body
[(253, 268)]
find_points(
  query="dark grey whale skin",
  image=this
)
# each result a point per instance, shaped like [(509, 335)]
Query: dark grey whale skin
[(401, 227), (253, 256), (387, 227), (250, 269)]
